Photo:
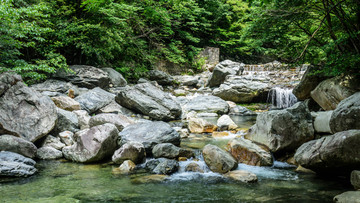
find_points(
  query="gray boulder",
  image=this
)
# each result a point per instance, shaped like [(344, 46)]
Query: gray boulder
[(355, 179), (149, 100), (53, 88), (85, 76), (150, 134), (12, 164), (348, 197), (218, 160), (94, 144), (118, 120), (66, 121), (115, 77), (24, 112), (170, 151), (336, 153), (207, 104), (162, 166), (114, 107), (47, 153), (94, 99), (346, 116), (83, 118), (322, 121), (283, 130), (219, 74), (54, 142), (18, 145), (133, 151), (160, 77)]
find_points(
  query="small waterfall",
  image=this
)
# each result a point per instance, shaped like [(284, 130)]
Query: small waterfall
[(281, 98)]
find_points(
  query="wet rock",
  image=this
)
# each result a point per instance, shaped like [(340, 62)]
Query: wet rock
[(283, 130), (218, 160), (24, 112), (322, 121), (355, 179), (220, 134), (168, 150), (242, 176), (94, 144), (67, 137), (348, 197), (199, 125), (330, 92), (160, 77), (118, 120), (208, 104), (54, 142), (247, 152), (54, 88), (17, 145), (94, 99), (66, 103), (149, 100), (194, 167), (133, 151), (347, 114), (115, 77), (12, 164), (150, 134), (332, 154), (66, 121), (219, 74), (85, 76), (150, 179), (83, 118), (48, 153), (226, 123), (125, 168), (163, 166)]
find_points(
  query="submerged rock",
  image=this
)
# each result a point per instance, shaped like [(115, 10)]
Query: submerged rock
[(94, 99), (242, 176), (218, 160), (133, 151), (17, 145), (12, 164), (126, 167)]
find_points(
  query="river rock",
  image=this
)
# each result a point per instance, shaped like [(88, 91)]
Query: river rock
[(67, 137), (83, 118), (247, 152), (336, 153), (24, 112), (348, 197), (170, 151), (54, 142), (115, 77), (85, 76), (66, 121), (94, 144), (226, 123), (347, 114), (218, 160), (162, 166), (66, 103), (322, 121), (241, 90), (150, 134), (199, 125), (133, 151), (330, 92), (55, 88), (283, 130), (242, 176), (12, 164), (160, 77), (308, 83), (355, 179), (94, 99), (17, 145), (193, 167), (207, 104), (126, 167), (149, 100), (218, 75), (47, 153), (120, 121)]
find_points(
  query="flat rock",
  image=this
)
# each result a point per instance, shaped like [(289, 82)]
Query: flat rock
[(207, 104), (242, 176)]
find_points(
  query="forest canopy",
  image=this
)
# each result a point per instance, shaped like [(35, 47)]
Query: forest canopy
[(37, 37)]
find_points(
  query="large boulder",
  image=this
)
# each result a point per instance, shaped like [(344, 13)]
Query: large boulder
[(207, 104), (219, 74), (242, 90), (118, 120), (115, 77), (218, 160), (52, 88), (160, 77), (346, 116), (247, 152), (66, 103), (18, 145), (283, 130), (12, 164), (348, 197), (170, 151), (94, 99), (338, 153), (24, 112), (308, 83), (94, 144), (66, 121), (149, 100), (133, 151), (85, 76), (330, 92), (150, 134)]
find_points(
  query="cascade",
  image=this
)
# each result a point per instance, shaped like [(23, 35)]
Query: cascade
[(281, 98)]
